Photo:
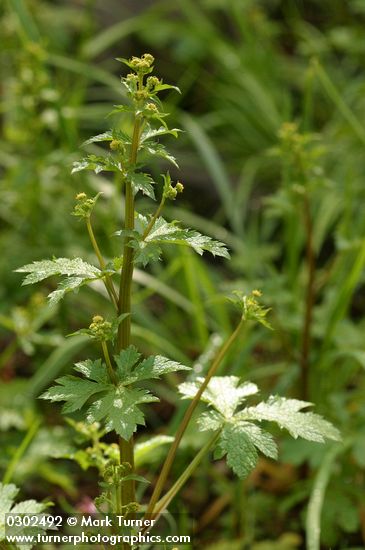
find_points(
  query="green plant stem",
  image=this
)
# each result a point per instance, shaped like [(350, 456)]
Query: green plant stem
[(108, 362), (126, 448), (20, 451), (107, 280), (167, 498), (154, 218), (186, 419)]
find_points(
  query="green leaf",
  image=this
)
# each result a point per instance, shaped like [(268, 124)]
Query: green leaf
[(158, 150), (119, 410), (8, 494), (161, 87), (105, 136), (224, 393), (130, 369), (118, 406), (241, 452), (150, 132), (110, 135), (75, 391), (155, 367), (286, 413), (210, 421), (38, 271), (163, 232), (76, 271), (97, 164), (142, 182)]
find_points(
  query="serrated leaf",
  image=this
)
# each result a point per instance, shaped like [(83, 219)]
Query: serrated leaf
[(262, 440), (38, 271), (68, 285), (8, 494), (170, 232), (163, 232), (224, 393), (241, 452), (105, 136), (97, 164), (287, 414), (76, 271), (142, 182), (93, 370), (210, 421), (155, 367), (75, 391), (150, 132), (158, 150), (119, 410), (130, 369), (109, 135)]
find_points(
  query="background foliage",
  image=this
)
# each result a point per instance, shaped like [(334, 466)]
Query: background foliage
[(286, 198)]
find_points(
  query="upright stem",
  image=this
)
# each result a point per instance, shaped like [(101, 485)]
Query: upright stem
[(309, 302), (167, 498), (126, 448), (107, 280), (186, 419)]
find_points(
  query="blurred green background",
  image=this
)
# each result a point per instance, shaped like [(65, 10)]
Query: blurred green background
[(288, 199)]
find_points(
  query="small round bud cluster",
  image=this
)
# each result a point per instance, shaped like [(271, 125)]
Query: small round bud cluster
[(171, 192), (152, 107), (140, 95), (100, 329), (132, 77), (152, 82), (131, 508), (115, 144), (83, 206), (256, 293), (142, 64)]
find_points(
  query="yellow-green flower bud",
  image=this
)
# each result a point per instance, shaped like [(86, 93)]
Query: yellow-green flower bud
[(141, 94), (148, 58), (152, 82), (100, 329), (131, 508), (179, 187), (131, 77), (114, 145), (84, 205), (152, 107)]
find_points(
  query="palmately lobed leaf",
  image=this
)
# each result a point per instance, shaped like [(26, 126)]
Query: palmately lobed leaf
[(287, 414), (118, 408), (224, 393)]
